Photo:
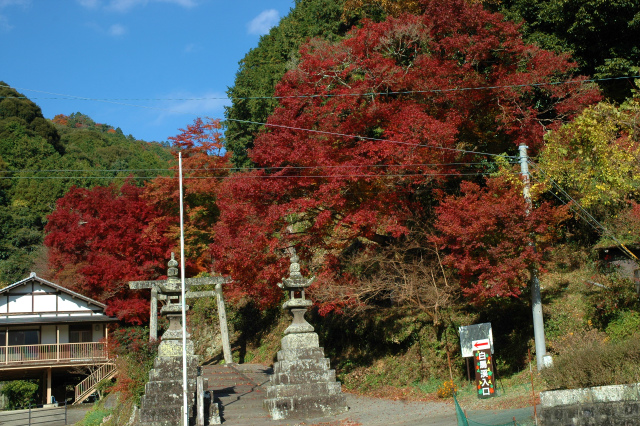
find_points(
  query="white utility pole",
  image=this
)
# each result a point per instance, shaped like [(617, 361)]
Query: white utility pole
[(185, 410), (536, 301)]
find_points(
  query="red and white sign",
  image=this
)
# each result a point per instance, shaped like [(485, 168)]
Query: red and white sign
[(478, 345)]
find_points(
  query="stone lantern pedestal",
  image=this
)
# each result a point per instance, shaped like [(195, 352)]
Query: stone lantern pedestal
[(303, 385)]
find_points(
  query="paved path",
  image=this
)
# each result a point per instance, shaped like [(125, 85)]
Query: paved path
[(241, 388)]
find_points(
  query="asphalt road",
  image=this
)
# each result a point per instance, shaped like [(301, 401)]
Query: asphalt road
[(240, 390)]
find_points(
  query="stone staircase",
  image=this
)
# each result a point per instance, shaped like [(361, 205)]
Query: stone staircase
[(239, 390)]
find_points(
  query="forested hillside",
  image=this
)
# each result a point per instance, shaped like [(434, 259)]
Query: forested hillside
[(380, 139), (40, 160)]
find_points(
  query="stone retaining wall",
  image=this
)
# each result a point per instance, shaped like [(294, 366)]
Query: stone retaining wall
[(599, 406)]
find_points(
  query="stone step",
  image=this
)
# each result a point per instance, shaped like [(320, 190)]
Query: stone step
[(301, 353), (170, 374), (168, 388), (292, 378), (303, 390), (306, 406), (158, 414), (301, 365)]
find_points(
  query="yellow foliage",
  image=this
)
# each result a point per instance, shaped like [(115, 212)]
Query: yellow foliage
[(447, 390), (596, 157), (391, 7), (397, 7)]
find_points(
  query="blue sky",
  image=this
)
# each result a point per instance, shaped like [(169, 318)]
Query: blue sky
[(130, 51)]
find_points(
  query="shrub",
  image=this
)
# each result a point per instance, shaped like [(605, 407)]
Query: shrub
[(19, 393), (592, 359), (447, 390), (135, 355), (625, 325), (620, 295)]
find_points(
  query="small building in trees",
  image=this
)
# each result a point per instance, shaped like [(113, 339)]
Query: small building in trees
[(53, 335), (616, 260)]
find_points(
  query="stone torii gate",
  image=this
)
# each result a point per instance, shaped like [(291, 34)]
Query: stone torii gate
[(157, 293)]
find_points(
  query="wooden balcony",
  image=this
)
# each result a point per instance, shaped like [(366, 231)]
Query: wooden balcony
[(64, 353)]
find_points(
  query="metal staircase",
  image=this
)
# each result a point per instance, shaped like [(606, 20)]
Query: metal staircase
[(86, 387)]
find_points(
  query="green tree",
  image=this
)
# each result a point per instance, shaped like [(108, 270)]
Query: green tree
[(16, 105), (19, 393), (601, 35), (265, 65), (40, 160)]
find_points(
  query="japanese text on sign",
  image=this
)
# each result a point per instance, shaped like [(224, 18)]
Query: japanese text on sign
[(484, 373)]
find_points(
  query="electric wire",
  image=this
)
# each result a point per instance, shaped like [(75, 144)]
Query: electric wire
[(589, 217), (346, 135), (368, 138), (62, 96), (237, 169), (255, 177)]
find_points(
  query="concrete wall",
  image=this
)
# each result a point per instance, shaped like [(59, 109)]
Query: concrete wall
[(598, 406)]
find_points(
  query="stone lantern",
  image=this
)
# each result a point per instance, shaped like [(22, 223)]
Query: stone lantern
[(302, 386), (295, 285)]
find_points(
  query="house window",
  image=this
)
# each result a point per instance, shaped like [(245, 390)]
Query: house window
[(24, 337), (3, 338), (80, 333)]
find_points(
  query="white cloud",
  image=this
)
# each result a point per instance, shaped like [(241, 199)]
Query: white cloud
[(4, 24), (126, 5), (262, 23), (205, 104), (5, 3), (117, 30), (89, 4)]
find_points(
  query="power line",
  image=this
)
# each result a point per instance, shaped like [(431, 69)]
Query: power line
[(236, 169), (346, 135), (589, 217), (255, 177), (318, 131), (61, 96)]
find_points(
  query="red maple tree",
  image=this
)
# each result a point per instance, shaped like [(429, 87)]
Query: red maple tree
[(100, 238), (420, 94), (205, 164), (488, 237)]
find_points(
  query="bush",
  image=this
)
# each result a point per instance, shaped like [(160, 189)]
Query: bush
[(19, 393), (592, 359), (624, 326), (620, 295), (95, 417), (447, 390), (135, 356)]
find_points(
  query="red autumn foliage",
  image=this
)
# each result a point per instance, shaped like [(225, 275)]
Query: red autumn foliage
[(101, 238), (487, 234), (204, 165), (323, 190)]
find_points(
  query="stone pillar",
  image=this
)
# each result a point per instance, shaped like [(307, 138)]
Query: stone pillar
[(153, 315), (303, 385), (224, 329)]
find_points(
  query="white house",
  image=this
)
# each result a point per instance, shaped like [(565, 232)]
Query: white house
[(47, 332)]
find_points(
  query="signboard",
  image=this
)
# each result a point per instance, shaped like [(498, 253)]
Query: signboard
[(485, 378), (477, 333), (479, 345)]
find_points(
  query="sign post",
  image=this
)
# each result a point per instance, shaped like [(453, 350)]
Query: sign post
[(477, 341), (483, 364)]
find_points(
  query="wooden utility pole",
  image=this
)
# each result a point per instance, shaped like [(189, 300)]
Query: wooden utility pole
[(536, 301)]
